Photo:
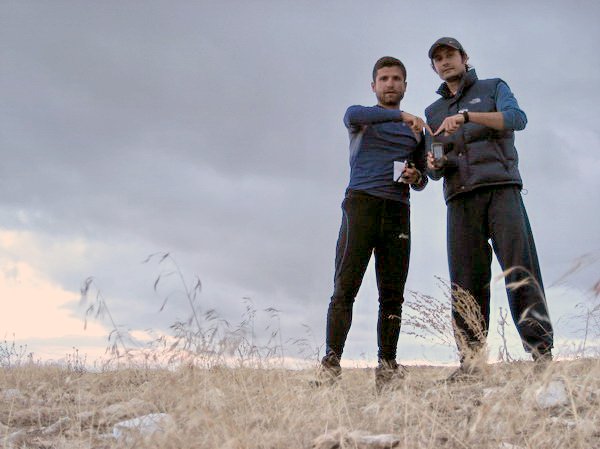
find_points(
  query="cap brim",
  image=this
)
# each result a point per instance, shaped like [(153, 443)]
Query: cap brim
[(436, 46)]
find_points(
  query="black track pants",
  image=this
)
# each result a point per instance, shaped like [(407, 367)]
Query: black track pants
[(370, 225), (498, 215)]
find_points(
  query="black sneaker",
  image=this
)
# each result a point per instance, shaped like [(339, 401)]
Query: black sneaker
[(544, 356), (541, 360), (329, 372), (388, 372)]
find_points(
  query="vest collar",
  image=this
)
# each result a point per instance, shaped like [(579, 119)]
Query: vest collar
[(467, 81)]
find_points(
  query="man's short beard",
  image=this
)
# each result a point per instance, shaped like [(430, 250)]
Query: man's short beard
[(455, 78), (391, 103)]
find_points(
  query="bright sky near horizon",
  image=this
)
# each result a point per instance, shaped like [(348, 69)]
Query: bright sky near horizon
[(213, 131)]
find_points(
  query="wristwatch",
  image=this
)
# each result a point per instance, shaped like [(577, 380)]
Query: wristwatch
[(465, 114)]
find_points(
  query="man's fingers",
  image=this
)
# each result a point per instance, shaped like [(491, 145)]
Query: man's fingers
[(443, 127), (417, 124)]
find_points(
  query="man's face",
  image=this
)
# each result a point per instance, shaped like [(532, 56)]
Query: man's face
[(449, 63), (389, 86)]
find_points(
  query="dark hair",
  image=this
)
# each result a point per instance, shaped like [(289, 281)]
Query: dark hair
[(388, 61)]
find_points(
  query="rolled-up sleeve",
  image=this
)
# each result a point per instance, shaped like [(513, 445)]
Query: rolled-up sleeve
[(514, 117)]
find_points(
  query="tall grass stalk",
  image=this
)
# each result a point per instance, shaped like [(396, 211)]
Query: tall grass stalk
[(214, 380)]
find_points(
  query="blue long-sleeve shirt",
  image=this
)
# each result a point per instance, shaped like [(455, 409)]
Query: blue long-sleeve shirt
[(378, 137), (514, 117)]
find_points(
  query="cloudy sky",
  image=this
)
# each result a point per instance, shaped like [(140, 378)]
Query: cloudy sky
[(213, 131)]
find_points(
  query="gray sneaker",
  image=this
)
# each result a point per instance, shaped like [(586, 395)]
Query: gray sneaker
[(387, 373)]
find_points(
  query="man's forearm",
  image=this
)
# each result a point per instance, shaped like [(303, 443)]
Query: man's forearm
[(494, 120), (369, 115)]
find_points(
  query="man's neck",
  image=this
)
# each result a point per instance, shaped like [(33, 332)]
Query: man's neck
[(393, 107), (453, 85)]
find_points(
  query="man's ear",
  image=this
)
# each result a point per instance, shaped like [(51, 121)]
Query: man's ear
[(373, 86)]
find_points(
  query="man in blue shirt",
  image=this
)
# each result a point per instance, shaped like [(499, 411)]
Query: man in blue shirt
[(475, 121), (387, 155)]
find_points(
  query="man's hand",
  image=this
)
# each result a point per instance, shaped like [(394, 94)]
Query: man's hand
[(450, 125), (433, 164), (411, 175), (416, 124)]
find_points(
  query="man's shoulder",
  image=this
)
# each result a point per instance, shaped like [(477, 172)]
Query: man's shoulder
[(489, 82), (361, 106)]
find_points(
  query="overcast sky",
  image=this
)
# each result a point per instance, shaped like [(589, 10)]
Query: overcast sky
[(213, 131)]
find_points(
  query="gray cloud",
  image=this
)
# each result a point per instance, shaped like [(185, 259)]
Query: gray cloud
[(215, 132)]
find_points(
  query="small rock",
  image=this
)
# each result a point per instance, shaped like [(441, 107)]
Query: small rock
[(142, 426), (381, 441), (489, 392), (13, 394), (551, 395), (17, 438), (85, 418), (106, 437), (564, 422), (371, 409), (233, 443), (121, 410), (356, 439), (593, 397), (58, 426), (583, 426), (508, 446)]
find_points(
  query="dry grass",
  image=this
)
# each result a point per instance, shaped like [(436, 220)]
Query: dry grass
[(277, 408), (213, 404)]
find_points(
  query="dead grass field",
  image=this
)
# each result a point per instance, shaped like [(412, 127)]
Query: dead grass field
[(207, 403), (46, 407)]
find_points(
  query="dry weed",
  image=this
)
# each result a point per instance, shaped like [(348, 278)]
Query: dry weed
[(214, 382), (277, 408)]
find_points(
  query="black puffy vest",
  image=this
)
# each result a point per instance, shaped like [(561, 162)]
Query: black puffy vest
[(478, 156)]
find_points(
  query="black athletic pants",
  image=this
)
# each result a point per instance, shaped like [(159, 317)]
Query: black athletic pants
[(370, 225), (497, 214)]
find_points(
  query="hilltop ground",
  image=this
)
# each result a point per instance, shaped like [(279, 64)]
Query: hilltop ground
[(47, 407)]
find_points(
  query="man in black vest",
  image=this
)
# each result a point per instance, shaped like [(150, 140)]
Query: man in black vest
[(475, 121)]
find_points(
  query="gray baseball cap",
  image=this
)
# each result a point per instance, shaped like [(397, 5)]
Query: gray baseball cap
[(445, 42)]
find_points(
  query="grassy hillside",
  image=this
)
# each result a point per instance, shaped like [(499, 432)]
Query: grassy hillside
[(222, 391), (51, 407)]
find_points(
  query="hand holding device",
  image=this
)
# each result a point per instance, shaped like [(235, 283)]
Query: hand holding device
[(436, 158)]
